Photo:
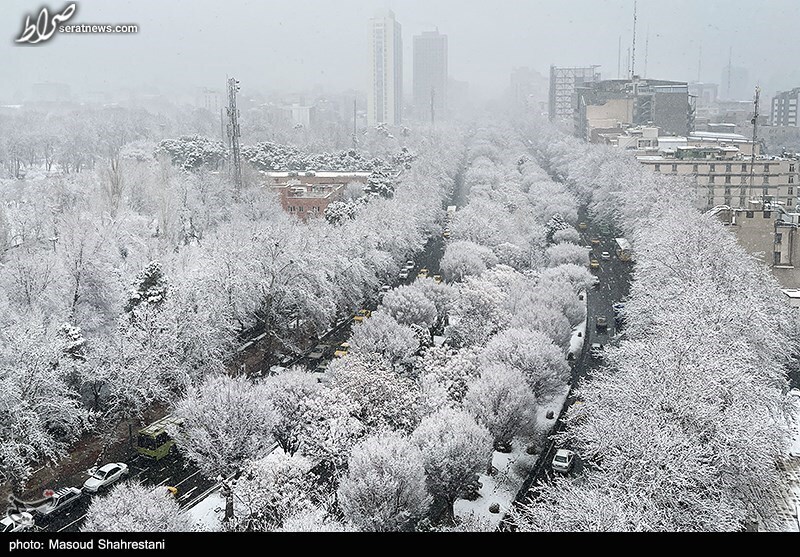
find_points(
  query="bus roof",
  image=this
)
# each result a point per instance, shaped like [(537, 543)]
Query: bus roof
[(160, 425), (623, 243)]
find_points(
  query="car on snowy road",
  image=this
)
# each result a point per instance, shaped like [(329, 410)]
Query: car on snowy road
[(16, 522), (105, 476), (563, 460)]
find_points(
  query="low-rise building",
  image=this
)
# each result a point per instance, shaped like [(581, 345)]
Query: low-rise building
[(306, 194)]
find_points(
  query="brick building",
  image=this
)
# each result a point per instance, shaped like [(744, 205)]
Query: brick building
[(307, 194)]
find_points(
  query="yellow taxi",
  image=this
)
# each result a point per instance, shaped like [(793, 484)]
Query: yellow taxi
[(361, 315), (342, 350)]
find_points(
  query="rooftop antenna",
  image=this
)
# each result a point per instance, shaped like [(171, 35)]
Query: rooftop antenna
[(633, 46), (730, 65), (433, 110), (754, 121), (699, 61)]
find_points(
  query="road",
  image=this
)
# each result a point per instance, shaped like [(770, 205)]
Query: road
[(613, 287), (171, 470)]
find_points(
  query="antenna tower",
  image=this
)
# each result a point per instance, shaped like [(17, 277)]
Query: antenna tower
[(234, 133)]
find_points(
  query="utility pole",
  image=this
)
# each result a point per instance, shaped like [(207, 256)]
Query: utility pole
[(355, 125), (433, 109), (619, 57), (233, 134), (633, 46), (699, 62), (646, 48), (754, 121)]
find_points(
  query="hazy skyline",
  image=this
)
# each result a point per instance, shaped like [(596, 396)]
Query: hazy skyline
[(296, 45)]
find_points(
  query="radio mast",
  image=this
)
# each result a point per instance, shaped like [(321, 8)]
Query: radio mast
[(233, 135)]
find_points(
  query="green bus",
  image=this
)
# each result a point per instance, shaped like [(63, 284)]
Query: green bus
[(154, 441)]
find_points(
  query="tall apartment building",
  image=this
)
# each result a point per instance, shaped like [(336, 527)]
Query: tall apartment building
[(430, 74), (385, 91), (784, 108), (563, 87)]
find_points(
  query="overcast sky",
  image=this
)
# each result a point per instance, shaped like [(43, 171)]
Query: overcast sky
[(296, 44)]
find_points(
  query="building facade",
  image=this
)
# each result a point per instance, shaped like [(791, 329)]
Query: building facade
[(784, 108), (564, 82), (722, 176), (430, 74), (385, 90), (770, 234)]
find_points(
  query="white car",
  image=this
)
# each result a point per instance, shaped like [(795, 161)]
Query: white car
[(105, 476), (605, 256), (563, 460), (403, 274), (19, 522)]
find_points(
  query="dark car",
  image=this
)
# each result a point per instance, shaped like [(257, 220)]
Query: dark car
[(601, 323)]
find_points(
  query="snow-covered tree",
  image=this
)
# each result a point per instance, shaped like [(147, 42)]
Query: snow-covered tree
[(501, 400), (226, 421), (384, 489), (541, 362), (133, 507), (270, 490), (454, 449), (382, 334), (380, 397), (566, 253), (409, 306), (464, 258), (150, 288), (292, 395)]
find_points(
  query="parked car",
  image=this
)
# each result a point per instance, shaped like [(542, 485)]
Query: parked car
[(605, 256), (403, 274), (437, 279), (563, 460), (618, 307), (385, 288), (446, 233), (583, 226), (594, 264), (409, 264), (596, 351), (18, 522), (62, 498), (423, 273), (105, 476), (601, 323), (595, 241)]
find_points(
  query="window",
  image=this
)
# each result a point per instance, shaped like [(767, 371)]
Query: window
[(727, 179), (674, 167), (710, 179), (744, 180), (791, 179), (727, 191), (712, 167), (658, 168), (766, 214), (744, 168), (728, 168), (790, 190), (749, 214), (766, 180), (776, 258), (766, 168), (791, 168), (789, 202), (694, 168)]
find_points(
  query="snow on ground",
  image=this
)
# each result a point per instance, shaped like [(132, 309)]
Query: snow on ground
[(208, 513), (576, 341), (512, 469), (793, 471)]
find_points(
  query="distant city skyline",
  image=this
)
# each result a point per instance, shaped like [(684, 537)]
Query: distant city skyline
[(295, 46)]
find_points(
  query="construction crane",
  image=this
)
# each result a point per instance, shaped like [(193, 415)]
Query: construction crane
[(754, 121), (233, 134)]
